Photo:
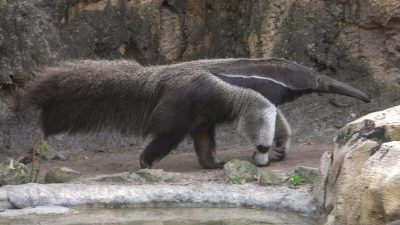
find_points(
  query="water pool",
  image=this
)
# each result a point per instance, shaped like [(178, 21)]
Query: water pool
[(165, 216)]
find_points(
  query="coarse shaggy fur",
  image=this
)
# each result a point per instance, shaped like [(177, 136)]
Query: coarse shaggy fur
[(172, 101), (91, 95)]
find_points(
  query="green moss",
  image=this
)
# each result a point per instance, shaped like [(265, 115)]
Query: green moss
[(239, 171), (38, 152), (295, 179), (3, 3), (231, 179), (303, 175), (270, 178)]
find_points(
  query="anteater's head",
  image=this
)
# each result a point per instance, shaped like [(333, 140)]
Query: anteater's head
[(257, 124)]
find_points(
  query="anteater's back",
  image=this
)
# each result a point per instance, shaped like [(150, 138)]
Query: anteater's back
[(87, 95)]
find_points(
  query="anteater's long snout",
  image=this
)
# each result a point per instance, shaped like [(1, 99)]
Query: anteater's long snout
[(330, 85)]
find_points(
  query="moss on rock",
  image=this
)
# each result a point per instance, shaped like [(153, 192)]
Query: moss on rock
[(239, 171), (61, 175)]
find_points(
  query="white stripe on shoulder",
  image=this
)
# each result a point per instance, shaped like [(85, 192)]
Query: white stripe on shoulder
[(256, 77)]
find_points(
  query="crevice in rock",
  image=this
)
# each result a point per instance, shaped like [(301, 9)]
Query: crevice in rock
[(172, 42)]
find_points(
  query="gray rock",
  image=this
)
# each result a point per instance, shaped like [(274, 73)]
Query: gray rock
[(270, 178), (279, 198), (13, 172), (319, 186), (4, 203), (59, 156), (172, 177), (39, 210), (3, 117), (151, 175), (118, 178), (239, 171), (361, 178), (396, 222), (60, 175), (308, 174)]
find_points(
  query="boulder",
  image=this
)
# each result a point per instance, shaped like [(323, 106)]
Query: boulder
[(308, 174), (113, 178), (197, 194), (396, 222), (4, 203), (360, 179), (268, 177), (151, 175), (171, 177), (376, 13), (61, 175), (240, 171), (13, 172)]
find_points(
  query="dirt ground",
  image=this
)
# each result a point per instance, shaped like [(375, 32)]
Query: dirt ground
[(106, 161)]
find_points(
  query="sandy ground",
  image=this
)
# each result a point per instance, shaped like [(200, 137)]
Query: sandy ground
[(107, 161)]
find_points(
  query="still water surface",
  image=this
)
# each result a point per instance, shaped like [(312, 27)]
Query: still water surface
[(166, 216)]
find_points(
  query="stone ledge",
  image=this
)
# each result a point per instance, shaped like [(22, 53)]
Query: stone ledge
[(40, 210), (248, 195)]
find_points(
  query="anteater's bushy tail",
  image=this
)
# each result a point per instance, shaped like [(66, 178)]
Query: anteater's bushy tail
[(87, 96)]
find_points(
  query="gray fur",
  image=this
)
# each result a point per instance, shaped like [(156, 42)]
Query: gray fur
[(261, 159), (171, 101), (283, 135), (279, 81), (166, 102), (297, 78)]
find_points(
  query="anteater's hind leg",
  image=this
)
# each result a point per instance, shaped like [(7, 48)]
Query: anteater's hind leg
[(282, 138), (169, 123), (158, 148), (204, 144)]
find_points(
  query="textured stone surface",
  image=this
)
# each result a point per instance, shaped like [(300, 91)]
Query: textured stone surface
[(282, 198), (146, 176), (151, 175), (360, 180), (381, 174), (39, 210), (240, 171), (60, 175), (116, 178), (396, 222), (308, 174), (4, 203), (319, 186), (12, 172), (172, 177), (270, 178)]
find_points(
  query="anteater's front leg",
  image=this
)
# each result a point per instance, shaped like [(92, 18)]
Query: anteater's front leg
[(282, 138), (204, 144)]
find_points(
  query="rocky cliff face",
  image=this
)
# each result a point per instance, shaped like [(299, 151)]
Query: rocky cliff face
[(354, 41)]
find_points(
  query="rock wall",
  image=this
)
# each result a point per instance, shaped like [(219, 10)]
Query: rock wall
[(360, 179), (352, 40)]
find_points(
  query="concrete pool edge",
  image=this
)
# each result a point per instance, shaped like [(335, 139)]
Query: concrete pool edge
[(299, 200)]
